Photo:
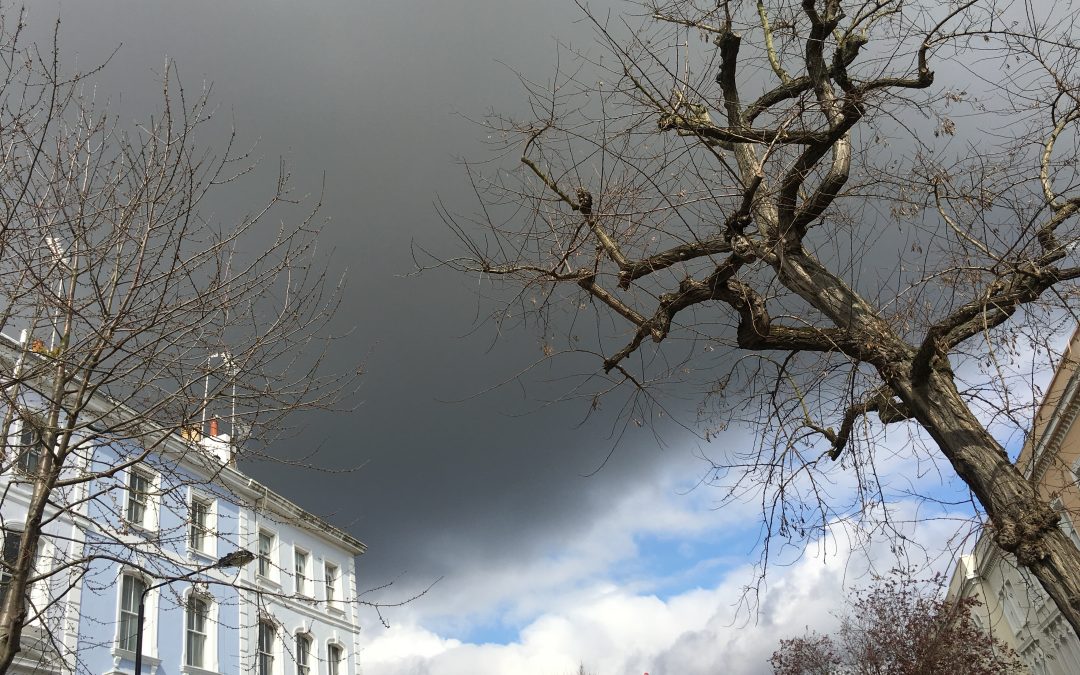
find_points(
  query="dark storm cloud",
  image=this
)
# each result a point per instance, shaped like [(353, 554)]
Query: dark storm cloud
[(367, 93)]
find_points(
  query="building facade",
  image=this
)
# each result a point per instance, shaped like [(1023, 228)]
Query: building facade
[(1015, 608), (153, 526)]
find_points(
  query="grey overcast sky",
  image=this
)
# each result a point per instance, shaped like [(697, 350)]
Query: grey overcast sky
[(541, 564), (374, 96)]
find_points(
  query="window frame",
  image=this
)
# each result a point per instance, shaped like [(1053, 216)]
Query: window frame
[(208, 547), (133, 612), (7, 560), (1066, 523), (266, 631), (335, 657), (271, 571), (197, 598), (39, 594), (301, 573), (330, 583), (1015, 616), (29, 436), (149, 520), (303, 655)]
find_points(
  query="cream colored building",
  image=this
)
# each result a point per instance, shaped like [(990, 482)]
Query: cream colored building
[(1015, 608)]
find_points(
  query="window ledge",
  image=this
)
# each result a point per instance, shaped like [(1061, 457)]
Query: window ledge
[(267, 581), (196, 670), (335, 610), (142, 531), (35, 666), (128, 655)]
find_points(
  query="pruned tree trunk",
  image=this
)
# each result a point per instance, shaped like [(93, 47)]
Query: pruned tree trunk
[(14, 610), (1022, 523)]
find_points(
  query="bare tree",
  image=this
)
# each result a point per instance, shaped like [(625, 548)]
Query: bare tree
[(783, 204), (900, 626), (141, 318)]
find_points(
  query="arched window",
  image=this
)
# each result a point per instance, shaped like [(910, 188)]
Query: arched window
[(303, 654), (196, 634), (267, 633), (1014, 613), (1066, 522), (334, 658)]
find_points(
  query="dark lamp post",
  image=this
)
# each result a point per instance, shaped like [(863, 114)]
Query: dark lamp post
[(237, 558)]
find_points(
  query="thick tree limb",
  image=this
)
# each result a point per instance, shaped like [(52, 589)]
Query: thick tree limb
[(999, 302), (1044, 164), (640, 268), (793, 220), (755, 330), (729, 42), (713, 132), (588, 282), (770, 48), (735, 224)]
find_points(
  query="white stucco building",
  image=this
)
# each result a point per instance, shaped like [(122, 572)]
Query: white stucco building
[(298, 599), (128, 522)]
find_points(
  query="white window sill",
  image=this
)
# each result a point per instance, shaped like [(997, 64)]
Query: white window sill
[(196, 670), (197, 555), (141, 530), (335, 610), (151, 661), (34, 665), (267, 581)]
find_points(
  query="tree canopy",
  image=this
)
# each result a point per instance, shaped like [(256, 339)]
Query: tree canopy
[(818, 218), (899, 626)]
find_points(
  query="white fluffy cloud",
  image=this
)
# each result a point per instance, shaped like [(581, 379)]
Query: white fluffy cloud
[(614, 630), (571, 568), (580, 604)]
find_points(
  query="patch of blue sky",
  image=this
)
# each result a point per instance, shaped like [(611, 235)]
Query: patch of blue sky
[(664, 565), (934, 480), (499, 625), (496, 630), (667, 566), (1013, 443)]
